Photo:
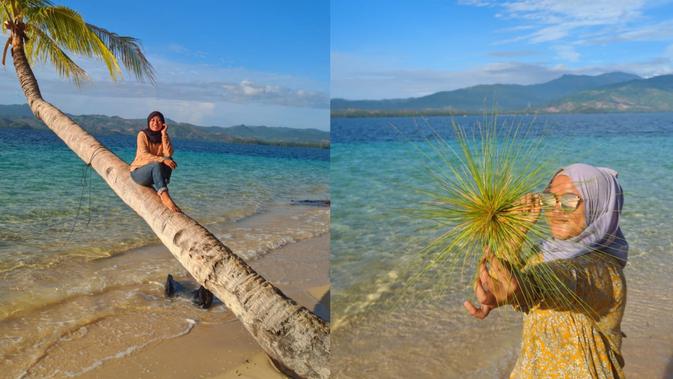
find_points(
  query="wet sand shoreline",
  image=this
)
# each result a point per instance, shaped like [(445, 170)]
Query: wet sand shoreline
[(227, 350), (119, 324)]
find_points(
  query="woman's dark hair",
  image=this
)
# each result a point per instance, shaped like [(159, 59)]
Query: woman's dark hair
[(155, 113)]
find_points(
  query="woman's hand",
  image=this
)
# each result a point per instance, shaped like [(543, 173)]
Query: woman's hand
[(164, 129), (500, 281), (484, 297), (496, 286), (170, 163), (529, 207), (480, 312), (524, 213)]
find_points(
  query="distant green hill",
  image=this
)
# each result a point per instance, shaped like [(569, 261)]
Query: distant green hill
[(20, 116), (15, 110), (646, 95), (504, 97)]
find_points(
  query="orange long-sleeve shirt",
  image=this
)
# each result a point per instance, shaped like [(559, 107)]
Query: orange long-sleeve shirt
[(148, 152)]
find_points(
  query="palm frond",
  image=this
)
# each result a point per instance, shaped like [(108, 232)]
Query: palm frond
[(41, 48), (68, 30), (128, 50), (61, 29), (6, 15)]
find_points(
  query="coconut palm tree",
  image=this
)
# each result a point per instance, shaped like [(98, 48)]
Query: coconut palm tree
[(42, 32)]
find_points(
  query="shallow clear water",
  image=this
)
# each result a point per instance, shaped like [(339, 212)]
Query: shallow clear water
[(379, 164), (52, 207)]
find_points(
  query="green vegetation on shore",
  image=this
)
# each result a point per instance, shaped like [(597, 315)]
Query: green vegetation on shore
[(611, 92), (20, 116)]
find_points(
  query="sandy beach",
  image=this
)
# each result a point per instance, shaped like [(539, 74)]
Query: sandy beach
[(226, 350), (124, 327)]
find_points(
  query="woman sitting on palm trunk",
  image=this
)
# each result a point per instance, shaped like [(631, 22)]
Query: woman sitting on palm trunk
[(153, 164)]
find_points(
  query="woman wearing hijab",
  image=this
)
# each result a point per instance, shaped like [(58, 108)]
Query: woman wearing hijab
[(152, 167), (572, 289), (153, 164)]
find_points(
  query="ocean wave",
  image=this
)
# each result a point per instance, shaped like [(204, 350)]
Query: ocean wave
[(40, 286)]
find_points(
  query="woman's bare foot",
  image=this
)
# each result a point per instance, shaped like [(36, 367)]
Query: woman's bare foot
[(168, 202)]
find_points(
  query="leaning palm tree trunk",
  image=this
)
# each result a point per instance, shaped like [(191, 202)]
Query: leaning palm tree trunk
[(289, 333)]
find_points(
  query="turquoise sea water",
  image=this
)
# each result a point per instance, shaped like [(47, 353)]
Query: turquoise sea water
[(52, 207), (379, 164)]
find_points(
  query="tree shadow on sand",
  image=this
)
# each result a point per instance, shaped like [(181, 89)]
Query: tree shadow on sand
[(668, 372)]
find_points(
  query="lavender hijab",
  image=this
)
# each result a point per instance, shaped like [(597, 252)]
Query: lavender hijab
[(603, 200)]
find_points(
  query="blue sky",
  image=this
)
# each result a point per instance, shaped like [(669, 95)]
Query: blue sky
[(260, 62), (388, 49)]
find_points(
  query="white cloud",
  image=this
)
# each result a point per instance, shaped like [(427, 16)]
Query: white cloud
[(477, 3), (193, 112), (660, 31), (196, 93), (563, 32), (194, 81), (577, 12), (567, 53), (587, 22), (183, 50), (646, 68), (513, 53), (245, 92), (351, 83), (216, 113)]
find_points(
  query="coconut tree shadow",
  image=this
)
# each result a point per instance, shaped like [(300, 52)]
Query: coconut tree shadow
[(322, 309), (668, 372)]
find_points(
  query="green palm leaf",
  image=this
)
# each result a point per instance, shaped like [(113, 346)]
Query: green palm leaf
[(41, 48), (52, 32), (128, 50), (67, 28)]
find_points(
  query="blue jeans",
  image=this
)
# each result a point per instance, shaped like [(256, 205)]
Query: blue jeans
[(154, 174)]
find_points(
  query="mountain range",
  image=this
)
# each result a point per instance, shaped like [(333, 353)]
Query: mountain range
[(20, 116), (610, 92)]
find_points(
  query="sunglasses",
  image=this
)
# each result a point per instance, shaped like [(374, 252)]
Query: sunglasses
[(569, 201)]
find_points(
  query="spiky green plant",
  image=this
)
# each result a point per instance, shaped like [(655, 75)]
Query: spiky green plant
[(473, 185), (483, 180)]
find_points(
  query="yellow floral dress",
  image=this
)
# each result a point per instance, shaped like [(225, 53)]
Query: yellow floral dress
[(572, 330)]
